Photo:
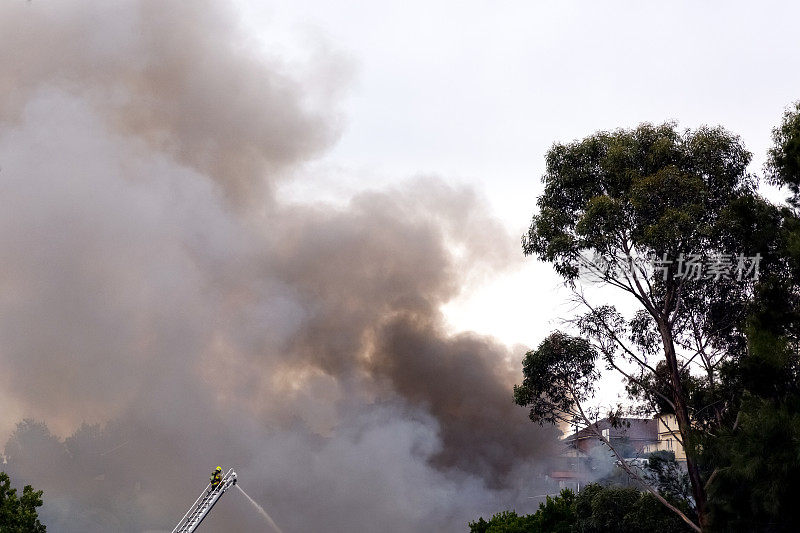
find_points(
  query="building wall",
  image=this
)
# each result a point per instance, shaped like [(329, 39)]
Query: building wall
[(642, 436), (668, 438)]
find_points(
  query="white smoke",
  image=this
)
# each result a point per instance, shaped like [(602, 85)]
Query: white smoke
[(155, 290)]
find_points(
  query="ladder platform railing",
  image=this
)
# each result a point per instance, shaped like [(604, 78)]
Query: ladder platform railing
[(203, 504)]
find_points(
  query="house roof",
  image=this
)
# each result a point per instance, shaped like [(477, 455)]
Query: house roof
[(642, 429)]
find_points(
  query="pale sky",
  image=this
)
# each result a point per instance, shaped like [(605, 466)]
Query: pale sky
[(476, 92)]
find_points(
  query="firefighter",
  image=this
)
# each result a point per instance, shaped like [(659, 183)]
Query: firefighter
[(216, 478)]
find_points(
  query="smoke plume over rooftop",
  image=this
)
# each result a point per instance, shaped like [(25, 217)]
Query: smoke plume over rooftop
[(163, 311)]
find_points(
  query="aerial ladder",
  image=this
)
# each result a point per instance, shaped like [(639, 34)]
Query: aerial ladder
[(203, 504)]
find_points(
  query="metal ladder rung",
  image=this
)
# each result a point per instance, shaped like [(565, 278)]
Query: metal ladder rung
[(204, 503)]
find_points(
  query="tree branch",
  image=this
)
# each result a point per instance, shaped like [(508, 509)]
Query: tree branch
[(627, 467)]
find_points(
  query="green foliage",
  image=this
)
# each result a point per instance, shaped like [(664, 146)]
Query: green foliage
[(757, 490), (556, 515), (758, 462), (654, 192), (559, 373), (648, 515), (18, 513), (504, 522), (616, 199), (595, 509), (783, 164), (659, 190), (609, 507), (654, 390)]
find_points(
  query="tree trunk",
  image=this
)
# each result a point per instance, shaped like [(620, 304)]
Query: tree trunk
[(684, 422)]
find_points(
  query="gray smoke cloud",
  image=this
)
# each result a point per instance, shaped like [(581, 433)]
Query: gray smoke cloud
[(162, 312)]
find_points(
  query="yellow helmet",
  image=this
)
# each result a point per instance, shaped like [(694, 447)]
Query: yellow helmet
[(219, 469)]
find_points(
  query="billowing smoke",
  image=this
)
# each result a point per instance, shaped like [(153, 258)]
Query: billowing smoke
[(163, 311)]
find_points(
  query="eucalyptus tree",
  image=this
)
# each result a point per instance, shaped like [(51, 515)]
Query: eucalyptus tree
[(655, 213)]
